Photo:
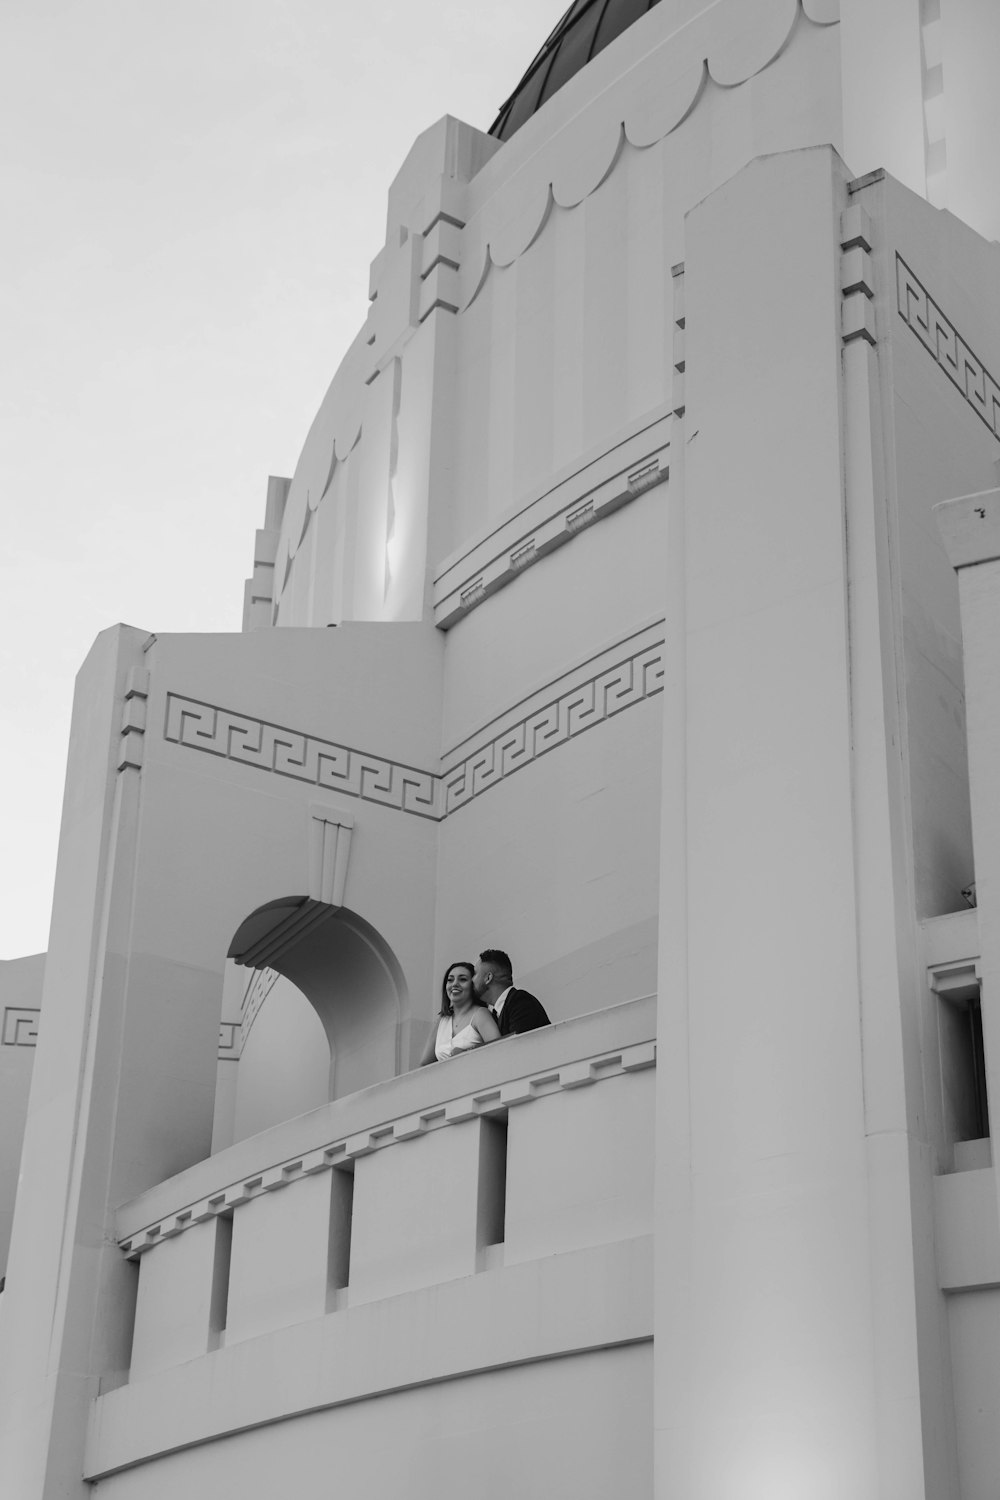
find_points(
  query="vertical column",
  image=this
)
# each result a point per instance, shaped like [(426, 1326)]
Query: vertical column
[(404, 502), (970, 527), (121, 1095), (765, 1359), (913, 1406), (258, 596), (882, 89)]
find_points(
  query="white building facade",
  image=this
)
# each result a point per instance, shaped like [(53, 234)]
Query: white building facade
[(607, 619)]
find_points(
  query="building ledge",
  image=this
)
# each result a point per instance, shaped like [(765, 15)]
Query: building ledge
[(598, 1297), (967, 1230), (491, 1081)]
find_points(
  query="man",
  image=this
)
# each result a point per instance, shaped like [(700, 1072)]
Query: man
[(514, 1009)]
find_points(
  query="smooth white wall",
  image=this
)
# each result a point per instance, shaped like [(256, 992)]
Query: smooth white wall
[(970, 55), (575, 1426), (765, 1371), (937, 447), (974, 1319), (20, 1002), (438, 420), (284, 1067)]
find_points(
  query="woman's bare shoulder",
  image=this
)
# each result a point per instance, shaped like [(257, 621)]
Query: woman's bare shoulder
[(485, 1023)]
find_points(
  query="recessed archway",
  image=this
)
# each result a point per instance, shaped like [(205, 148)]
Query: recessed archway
[(350, 978)]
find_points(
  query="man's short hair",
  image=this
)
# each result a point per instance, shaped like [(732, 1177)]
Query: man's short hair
[(497, 960)]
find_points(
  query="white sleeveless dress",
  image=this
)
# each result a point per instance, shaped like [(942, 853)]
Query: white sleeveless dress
[(448, 1043)]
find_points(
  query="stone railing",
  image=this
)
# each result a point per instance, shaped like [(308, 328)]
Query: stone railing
[(479, 1180)]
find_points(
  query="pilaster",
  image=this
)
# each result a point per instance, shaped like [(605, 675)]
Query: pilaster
[(970, 529)]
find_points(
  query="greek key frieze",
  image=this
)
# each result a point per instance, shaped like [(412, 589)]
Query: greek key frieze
[(289, 752), (372, 778), (632, 680), (945, 344), (20, 1026), (229, 1041), (262, 982)]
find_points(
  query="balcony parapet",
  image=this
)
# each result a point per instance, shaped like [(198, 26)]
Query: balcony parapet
[(311, 1268), (486, 1083), (966, 1230)]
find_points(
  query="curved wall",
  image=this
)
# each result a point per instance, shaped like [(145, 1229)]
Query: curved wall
[(522, 308), (536, 1429), (348, 1273), (494, 455)]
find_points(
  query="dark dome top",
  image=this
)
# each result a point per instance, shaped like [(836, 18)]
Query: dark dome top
[(587, 27)]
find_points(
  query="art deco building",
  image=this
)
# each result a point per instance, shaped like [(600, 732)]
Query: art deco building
[(613, 616)]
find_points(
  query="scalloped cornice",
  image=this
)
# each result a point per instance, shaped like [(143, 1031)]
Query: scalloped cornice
[(560, 156), (726, 45), (335, 430)]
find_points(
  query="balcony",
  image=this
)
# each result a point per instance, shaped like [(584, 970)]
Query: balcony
[(486, 1213)]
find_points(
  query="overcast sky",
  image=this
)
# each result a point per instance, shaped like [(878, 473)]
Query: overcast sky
[(192, 193)]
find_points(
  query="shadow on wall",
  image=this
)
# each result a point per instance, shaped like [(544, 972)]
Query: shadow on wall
[(328, 1019)]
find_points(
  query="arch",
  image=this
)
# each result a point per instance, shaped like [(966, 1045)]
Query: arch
[(283, 1067), (347, 972)]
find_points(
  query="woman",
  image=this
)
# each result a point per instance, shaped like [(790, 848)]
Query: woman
[(465, 1022)]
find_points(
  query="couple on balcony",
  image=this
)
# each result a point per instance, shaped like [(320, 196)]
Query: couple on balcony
[(479, 1004)]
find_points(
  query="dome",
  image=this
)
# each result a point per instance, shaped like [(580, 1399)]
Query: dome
[(586, 28)]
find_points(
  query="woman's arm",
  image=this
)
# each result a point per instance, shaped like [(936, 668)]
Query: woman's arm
[(484, 1023), (430, 1051)]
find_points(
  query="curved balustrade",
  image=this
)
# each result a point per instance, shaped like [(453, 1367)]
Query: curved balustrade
[(430, 1226)]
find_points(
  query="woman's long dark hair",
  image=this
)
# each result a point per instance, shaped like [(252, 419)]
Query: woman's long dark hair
[(460, 963)]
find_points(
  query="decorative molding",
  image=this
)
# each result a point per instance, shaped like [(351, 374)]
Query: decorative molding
[(957, 980), (616, 685), (442, 258), (856, 229), (670, 73), (396, 388), (932, 90), (290, 752), (680, 326), (620, 677), (133, 727), (445, 260), (258, 596), (637, 461), (20, 1029), (20, 1026), (942, 341), (329, 852), (262, 982), (857, 276), (229, 1041), (342, 1153), (291, 922)]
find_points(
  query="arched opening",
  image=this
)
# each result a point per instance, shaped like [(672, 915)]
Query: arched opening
[(322, 1015)]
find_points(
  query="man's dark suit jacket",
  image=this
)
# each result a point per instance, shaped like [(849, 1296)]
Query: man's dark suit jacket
[(521, 1012)]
